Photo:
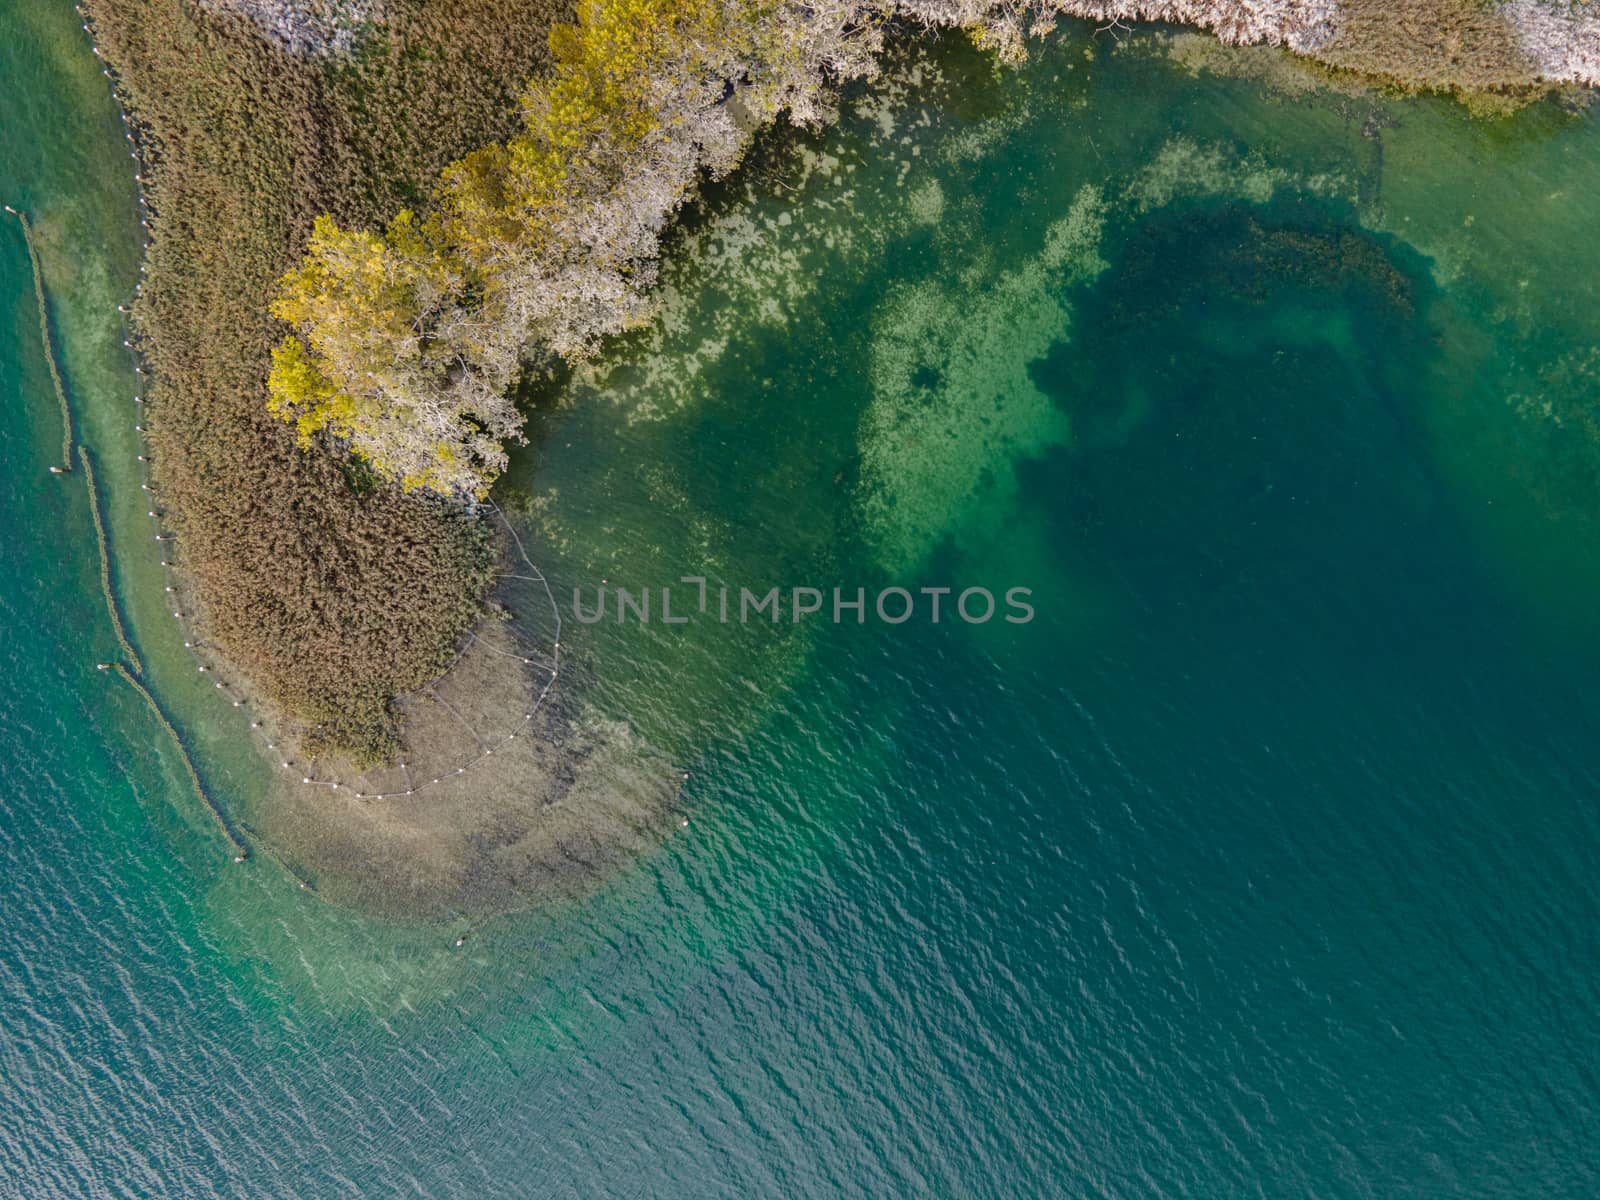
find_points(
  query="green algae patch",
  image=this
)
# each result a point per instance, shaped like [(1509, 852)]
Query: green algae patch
[(957, 410), (953, 408)]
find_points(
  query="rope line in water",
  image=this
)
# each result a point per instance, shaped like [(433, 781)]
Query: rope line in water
[(105, 562), (242, 852), (472, 637), (451, 709), (44, 337), (294, 872)]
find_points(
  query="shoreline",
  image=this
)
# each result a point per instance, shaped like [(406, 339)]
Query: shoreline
[(211, 643)]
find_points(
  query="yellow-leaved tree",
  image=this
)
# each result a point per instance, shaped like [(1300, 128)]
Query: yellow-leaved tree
[(369, 364), (406, 343)]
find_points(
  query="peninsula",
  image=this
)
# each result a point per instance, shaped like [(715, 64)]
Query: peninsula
[(373, 226)]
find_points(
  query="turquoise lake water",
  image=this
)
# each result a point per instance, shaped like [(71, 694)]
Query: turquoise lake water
[(1261, 862)]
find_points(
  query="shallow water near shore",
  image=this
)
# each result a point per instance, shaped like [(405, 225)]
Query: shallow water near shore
[(1259, 861)]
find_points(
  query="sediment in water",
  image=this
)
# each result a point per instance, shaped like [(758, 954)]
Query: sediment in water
[(559, 801)]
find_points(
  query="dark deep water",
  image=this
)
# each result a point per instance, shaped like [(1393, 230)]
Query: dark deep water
[(1260, 863)]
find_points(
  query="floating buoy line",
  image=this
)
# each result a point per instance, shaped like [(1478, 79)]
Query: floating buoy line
[(131, 670)]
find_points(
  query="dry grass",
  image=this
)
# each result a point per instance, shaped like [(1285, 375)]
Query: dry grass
[(1461, 46), (331, 595)]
